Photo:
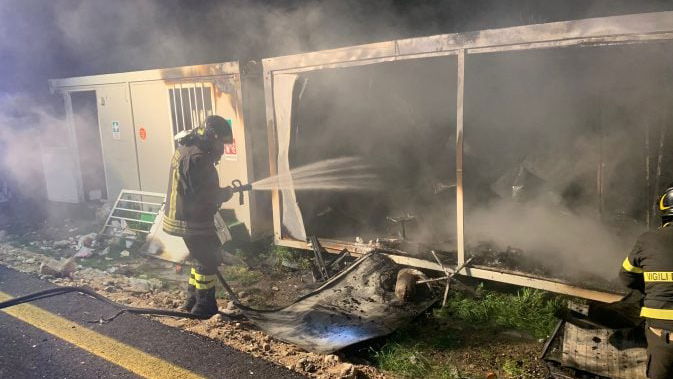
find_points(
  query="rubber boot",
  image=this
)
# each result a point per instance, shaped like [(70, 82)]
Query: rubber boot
[(190, 301), (191, 294), (206, 306)]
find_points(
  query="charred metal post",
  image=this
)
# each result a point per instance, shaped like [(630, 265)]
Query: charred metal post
[(334, 266), (319, 260)]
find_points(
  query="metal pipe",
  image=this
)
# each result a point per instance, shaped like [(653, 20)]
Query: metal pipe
[(546, 346), (447, 277), (191, 108), (182, 109), (196, 106), (175, 112), (196, 103), (203, 100)]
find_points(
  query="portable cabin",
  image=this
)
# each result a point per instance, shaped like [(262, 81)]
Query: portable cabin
[(121, 130)]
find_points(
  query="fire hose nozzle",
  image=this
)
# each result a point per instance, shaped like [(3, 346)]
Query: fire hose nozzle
[(238, 186), (242, 188)]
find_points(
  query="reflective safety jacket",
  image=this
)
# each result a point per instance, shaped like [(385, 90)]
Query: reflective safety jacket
[(194, 194), (649, 269)]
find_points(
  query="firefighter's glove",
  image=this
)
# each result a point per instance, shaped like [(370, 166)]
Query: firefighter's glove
[(226, 194)]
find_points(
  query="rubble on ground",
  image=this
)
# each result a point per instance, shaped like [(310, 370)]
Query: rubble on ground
[(136, 281), (58, 269), (120, 283)]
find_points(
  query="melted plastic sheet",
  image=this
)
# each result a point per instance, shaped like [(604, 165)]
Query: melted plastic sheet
[(356, 305), (282, 93)]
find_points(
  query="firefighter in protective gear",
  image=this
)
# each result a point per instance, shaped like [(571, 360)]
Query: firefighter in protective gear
[(649, 269), (194, 197)]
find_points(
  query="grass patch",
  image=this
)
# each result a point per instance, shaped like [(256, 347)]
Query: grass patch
[(528, 310), (242, 275), (423, 348), (413, 361), (407, 361), (285, 256), (513, 368)]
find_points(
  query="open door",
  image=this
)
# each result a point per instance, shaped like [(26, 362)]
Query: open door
[(85, 122)]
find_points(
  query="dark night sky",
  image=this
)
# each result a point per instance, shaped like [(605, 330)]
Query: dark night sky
[(59, 38)]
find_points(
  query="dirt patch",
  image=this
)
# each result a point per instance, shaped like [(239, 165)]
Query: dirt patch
[(140, 282), (456, 351)]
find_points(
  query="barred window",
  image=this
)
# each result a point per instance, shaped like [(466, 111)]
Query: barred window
[(190, 104)]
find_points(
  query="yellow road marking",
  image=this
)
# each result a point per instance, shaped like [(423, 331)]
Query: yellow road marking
[(119, 353)]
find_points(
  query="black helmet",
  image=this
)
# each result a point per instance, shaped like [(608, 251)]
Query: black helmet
[(666, 203), (218, 126)]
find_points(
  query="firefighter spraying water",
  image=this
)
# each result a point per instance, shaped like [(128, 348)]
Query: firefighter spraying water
[(194, 196)]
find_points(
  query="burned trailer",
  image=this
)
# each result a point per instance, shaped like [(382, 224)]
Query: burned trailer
[(538, 150), (122, 128)]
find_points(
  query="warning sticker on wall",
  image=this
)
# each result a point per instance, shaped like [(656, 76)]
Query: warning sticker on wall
[(116, 130), (230, 153)]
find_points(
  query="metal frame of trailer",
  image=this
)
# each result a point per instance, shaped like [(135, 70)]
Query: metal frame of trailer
[(617, 30)]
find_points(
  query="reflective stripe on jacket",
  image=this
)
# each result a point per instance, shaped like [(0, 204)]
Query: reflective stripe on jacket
[(193, 188), (649, 268)]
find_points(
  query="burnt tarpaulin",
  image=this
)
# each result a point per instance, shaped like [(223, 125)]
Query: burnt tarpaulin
[(282, 94), (356, 305)]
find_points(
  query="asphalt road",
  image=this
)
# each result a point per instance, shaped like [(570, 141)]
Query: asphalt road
[(50, 338)]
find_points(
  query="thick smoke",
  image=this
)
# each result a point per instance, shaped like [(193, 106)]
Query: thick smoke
[(61, 38), (561, 154), (25, 130), (567, 151), (510, 124)]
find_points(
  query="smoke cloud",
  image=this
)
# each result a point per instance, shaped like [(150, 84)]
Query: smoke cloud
[(565, 153), (25, 129), (523, 114), (61, 38)]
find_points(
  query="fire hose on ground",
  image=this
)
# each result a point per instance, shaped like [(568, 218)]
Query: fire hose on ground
[(237, 187), (324, 320), (123, 309)]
